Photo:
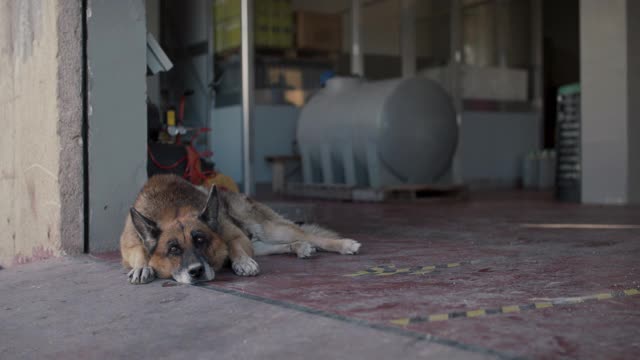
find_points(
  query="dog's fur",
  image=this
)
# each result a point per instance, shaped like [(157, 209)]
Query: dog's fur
[(174, 230)]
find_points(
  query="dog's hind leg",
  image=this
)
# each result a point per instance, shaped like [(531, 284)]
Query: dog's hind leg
[(300, 248), (321, 238)]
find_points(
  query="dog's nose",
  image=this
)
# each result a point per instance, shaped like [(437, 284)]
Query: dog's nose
[(196, 270)]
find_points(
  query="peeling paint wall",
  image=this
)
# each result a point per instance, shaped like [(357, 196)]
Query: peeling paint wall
[(40, 115)]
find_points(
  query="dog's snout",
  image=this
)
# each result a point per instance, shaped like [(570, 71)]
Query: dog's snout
[(196, 270)]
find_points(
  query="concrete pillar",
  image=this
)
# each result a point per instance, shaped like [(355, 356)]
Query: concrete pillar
[(537, 55), (456, 60), (633, 124), (610, 84), (41, 187), (357, 56), (408, 37), (248, 95)]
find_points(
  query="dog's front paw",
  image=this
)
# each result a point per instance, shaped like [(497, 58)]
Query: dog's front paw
[(303, 249), (141, 275), (349, 247), (245, 266)]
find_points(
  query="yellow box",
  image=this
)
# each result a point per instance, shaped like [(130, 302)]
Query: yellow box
[(262, 7), (219, 10), (233, 34), (285, 39), (232, 10), (219, 37), (315, 31), (273, 26)]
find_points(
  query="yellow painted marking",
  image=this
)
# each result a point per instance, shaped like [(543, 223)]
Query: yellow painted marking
[(476, 313), (543, 305), (391, 270), (582, 226), (399, 271), (421, 272), (439, 317), (517, 308), (371, 271), (424, 270), (401, 322), (510, 309), (359, 273), (603, 296), (631, 292), (575, 300)]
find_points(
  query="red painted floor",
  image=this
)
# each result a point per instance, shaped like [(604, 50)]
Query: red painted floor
[(484, 259)]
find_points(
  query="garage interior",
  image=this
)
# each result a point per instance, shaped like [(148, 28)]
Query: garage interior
[(483, 153)]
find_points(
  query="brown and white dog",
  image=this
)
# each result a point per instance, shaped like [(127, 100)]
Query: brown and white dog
[(174, 230)]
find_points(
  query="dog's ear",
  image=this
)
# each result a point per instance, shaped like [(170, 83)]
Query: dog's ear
[(209, 214), (147, 230)]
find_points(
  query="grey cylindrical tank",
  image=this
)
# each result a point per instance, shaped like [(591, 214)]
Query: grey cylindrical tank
[(409, 123)]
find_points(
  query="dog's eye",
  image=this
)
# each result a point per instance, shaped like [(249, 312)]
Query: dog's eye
[(198, 239), (175, 250)]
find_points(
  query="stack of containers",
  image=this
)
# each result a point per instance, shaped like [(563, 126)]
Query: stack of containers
[(568, 144), (273, 26), (538, 170)]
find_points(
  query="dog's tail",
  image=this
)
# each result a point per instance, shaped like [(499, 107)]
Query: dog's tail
[(319, 231)]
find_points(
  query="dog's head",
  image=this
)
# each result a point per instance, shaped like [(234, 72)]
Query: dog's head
[(182, 246)]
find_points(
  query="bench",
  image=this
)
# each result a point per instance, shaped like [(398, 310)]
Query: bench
[(278, 166)]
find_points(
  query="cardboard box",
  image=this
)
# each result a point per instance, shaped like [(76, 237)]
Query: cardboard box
[(316, 31), (219, 37), (273, 27), (226, 9)]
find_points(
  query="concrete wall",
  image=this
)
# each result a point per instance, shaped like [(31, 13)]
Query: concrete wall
[(41, 146), (609, 115), (116, 50)]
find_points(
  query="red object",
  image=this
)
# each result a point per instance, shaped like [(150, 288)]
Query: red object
[(193, 171)]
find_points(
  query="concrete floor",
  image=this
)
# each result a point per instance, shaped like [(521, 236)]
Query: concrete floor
[(435, 279)]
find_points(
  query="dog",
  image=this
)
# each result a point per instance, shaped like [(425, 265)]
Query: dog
[(181, 231)]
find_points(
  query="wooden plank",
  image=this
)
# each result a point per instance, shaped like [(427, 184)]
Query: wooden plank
[(396, 193), (409, 192), (281, 158), (422, 191), (321, 191), (369, 194)]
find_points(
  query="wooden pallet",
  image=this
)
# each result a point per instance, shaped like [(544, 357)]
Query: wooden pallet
[(320, 191), (394, 193), (296, 212), (425, 191)]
